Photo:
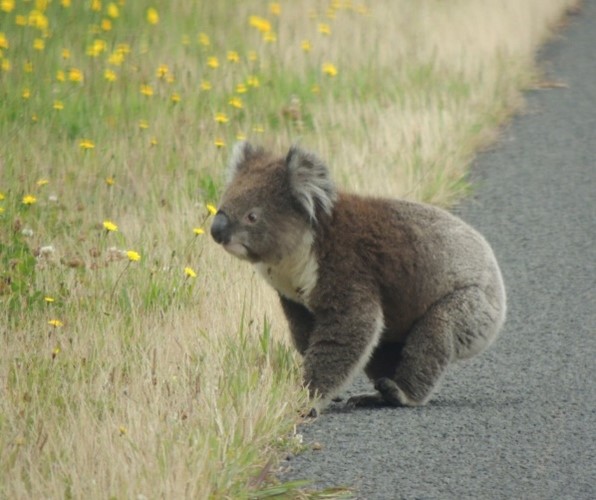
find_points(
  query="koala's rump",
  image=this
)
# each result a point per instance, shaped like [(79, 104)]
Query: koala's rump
[(408, 254)]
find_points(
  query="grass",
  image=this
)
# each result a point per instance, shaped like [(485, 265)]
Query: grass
[(170, 375)]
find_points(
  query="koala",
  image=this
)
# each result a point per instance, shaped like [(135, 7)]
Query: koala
[(397, 288)]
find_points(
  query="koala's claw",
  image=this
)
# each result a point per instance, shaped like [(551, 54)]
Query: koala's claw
[(366, 401)]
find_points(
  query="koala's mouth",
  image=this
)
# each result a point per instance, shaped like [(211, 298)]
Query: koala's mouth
[(240, 251)]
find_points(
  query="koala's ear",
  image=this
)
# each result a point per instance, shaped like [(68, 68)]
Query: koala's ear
[(241, 153), (310, 182)]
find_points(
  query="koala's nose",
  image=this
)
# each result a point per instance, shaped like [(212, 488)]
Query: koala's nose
[(220, 228)]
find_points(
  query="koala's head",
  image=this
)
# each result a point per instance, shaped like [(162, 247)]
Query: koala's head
[(269, 203)]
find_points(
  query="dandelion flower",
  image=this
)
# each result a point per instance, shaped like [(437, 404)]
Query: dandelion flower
[(175, 97), (189, 272), (122, 430), (152, 16), (162, 71), (153, 141), (212, 209), (86, 144), (75, 75), (133, 256), (113, 10), (143, 124), (42, 182), (2, 197), (241, 88), (219, 142), (5, 65), (253, 81), (213, 62), (233, 56), (205, 85), (39, 44), (221, 118), (106, 25), (55, 351), (204, 40), (198, 231), (306, 45), (60, 76), (240, 136), (3, 41), (269, 37), (7, 5), (49, 299), (275, 8), (146, 90), (109, 226), (55, 323), (110, 181), (324, 29), (236, 102), (110, 75), (29, 199), (26, 93), (259, 23), (329, 69), (58, 105)]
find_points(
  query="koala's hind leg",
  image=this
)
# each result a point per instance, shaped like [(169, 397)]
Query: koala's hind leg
[(458, 326)]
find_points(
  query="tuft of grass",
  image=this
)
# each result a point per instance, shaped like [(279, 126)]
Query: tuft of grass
[(138, 359)]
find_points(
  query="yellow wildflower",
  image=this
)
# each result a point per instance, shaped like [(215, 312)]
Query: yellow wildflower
[(116, 58), (122, 430), (329, 69), (162, 71), (258, 128), (3, 41), (110, 181), (96, 5), (55, 323), (75, 75), (241, 88), (253, 81), (240, 136), (259, 23), (108, 225), (7, 5), (60, 76), (113, 10), (49, 299), (20, 20), (65, 54), (212, 209), (146, 90), (39, 44), (175, 97), (28, 67), (213, 62), (5, 65), (269, 37), (86, 144), (275, 8), (133, 256), (29, 199), (152, 16), (42, 182), (219, 142), (324, 29), (189, 272), (58, 105), (198, 230), (2, 197), (233, 56), (236, 102), (65, 3), (143, 124), (26, 93), (205, 85), (110, 75), (204, 40), (221, 118), (306, 45), (252, 55), (106, 25), (153, 141)]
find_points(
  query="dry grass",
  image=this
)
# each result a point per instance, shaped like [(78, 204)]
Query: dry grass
[(158, 384)]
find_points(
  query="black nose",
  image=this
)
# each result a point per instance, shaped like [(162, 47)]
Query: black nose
[(220, 228)]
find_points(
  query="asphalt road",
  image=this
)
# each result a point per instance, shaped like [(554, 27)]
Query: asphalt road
[(519, 421)]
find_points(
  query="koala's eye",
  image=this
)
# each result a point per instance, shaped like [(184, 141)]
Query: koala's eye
[(251, 217)]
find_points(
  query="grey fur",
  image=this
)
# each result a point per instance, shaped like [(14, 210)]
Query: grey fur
[(397, 288)]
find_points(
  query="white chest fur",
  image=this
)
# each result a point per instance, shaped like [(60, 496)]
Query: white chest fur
[(295, 276)]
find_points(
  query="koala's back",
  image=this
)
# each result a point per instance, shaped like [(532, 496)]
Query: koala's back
[(411, 254)]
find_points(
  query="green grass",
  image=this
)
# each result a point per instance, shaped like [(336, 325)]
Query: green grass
[(172, 375)]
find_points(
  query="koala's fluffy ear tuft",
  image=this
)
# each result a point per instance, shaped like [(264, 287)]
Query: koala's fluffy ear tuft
[(241, 153), (310, 182)]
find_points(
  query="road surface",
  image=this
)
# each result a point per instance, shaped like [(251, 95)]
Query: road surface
[(519, 421)]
